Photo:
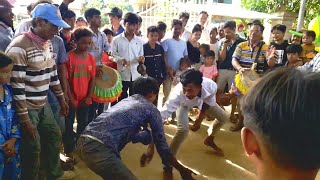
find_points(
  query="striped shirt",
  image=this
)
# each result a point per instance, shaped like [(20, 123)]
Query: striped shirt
[(34, 72), (246, 55)]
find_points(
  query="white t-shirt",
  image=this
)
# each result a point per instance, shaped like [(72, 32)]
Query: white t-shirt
[(178, 99)]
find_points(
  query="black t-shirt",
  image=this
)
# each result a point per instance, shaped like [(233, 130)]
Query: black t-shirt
[(283, 47), (227, 63), (193, 53)]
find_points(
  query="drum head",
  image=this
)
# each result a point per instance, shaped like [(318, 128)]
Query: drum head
[(249, 78), (108, 80)]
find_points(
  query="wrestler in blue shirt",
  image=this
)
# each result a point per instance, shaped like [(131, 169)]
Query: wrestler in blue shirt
[(128, 121)]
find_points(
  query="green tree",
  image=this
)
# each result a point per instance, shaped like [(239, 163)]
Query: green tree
[(271, 6)]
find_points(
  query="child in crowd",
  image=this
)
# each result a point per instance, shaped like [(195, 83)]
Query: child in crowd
[(81, 71), (154, 57), (184, 65), (9, 128), (162, 31), (214, 42), (209, 68), (308, 48), (295, 39), (278, 31), (293, 51), (109, 35), (203, 48), (283, 142)]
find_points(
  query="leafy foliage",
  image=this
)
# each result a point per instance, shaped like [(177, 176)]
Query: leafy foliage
[(271, 6)]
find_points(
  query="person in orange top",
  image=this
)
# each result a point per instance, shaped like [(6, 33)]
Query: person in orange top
[(81, 70), (308, 52)]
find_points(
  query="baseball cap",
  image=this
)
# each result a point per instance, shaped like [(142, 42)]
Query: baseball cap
[(49, 12), (116, 12), (254, 21), (5, 4)]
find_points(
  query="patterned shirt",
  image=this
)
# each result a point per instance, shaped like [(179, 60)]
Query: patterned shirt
[(99, 45), (313, 65), (246, 55), (123, 122), (34, 71), (9, 128)]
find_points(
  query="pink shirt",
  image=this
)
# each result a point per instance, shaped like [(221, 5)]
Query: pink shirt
[(209, 72)]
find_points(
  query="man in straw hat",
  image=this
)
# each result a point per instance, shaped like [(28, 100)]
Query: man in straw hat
[(34, 72)]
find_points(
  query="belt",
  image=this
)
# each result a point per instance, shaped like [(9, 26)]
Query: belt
[(91, 137)]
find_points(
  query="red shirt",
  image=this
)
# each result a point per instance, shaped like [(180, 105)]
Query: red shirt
[(108, 62), (79, 74)]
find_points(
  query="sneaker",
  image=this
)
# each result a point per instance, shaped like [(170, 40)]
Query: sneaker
[(67, 175)]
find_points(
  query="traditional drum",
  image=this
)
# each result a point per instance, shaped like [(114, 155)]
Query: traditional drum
[(245, 81), (108, 87)]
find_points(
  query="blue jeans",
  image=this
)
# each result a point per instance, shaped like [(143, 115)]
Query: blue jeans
[(81, 113), (102, 160)]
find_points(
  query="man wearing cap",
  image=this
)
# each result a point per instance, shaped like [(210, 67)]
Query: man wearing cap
[(34, 72), (6, 24), (115, 16)]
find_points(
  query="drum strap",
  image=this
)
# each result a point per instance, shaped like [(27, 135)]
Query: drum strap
[(261, 66)]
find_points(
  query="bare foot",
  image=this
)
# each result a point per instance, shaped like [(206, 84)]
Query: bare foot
[(209, 142)]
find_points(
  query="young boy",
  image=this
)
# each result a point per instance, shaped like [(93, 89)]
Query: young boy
[(10, 131), (154, 56), (293, 51), (129, 50), (162, 31), (283, 142), (278, 31), (100, 144), (99, 46), (81, 68), (308, 47), (109, 35)]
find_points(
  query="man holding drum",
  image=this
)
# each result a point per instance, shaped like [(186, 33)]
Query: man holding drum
[(253, 51)]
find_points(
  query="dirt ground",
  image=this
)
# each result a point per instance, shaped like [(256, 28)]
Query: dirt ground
[(193, 153)]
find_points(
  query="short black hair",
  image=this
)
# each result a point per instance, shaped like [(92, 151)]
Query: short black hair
[(230, 25), (152, 29), (4, 60), (82, 32), (184, 15), (131, 18), (108, 31), (162, 26), (210, 53), (214, 29), (282, 108), (68, 14), (29, 7), (254, 21), (139, 19), (294, 48), (89, 13), (191, 76), (260, 25), (196, 28), (176, 22), (145, 86), (185, 60), (81, 19), (205, 46), (204, 12), (279, 27), (310, 33)]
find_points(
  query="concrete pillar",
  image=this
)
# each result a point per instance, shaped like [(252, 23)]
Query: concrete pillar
[(286, 18)]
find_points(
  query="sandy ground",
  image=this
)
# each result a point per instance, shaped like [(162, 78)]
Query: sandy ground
[(194, 154)]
